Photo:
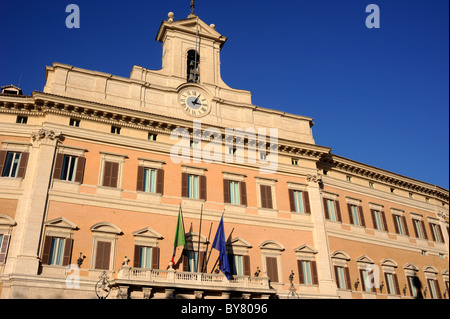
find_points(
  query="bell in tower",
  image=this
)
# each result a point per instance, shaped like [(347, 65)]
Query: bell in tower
[(193, 61)]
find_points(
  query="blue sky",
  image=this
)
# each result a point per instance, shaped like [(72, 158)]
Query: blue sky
[(377, 96)]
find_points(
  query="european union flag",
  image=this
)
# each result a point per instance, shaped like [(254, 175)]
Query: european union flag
[(220, 245)]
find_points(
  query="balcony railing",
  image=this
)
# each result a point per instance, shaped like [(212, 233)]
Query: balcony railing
[(190, 278)]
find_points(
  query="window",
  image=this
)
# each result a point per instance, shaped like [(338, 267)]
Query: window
[(115, 130), (342, 277), (349, 179), (57, 251), (307, 272), (152, 137), (379, 220), (299, 201), (146, 257), (193, 61), (401, 227), (266, 196), (22, 120), (356, 215), (69, 168), (436, 232), (371, 185), (195, 144), (74, 122), (294, 162), (191, 261), (367, 282), (419, 228), (110, 174), (435, 292), (149, 180), (332, 210), (4, 243), (392, 284), (413, 284), (272, 268), (234, 188), (11, 166), (240, 264), (103, 254), (193, 186)]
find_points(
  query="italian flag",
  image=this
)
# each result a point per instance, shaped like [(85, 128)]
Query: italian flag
[(180, 239)]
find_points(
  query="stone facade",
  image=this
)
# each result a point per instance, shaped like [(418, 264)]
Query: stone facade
[(90, 187)]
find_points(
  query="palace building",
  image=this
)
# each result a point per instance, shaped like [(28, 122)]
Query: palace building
[(96, 167)]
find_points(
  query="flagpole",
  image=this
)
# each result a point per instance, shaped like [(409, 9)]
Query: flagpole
[(219, 256), (207, 261), (199, 237), (207, 246)]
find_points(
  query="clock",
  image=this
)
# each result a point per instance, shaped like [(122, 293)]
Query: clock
[(194, 103)]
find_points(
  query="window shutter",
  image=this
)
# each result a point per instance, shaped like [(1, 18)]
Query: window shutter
[(185, 261), (348, 279), (272, 270), (415, 228), (405, 225), (246, 265), (432, 233), (396, 226), (107, 174), (103, 255), (396, 285), (58, 166), (438, 289), (203, 187), (325, 209), (46, 250), (410, 279), (338, 211), (184, 184), (201, 257), (349, 206), (23, 165), (243, 189), (315, 275), (155, 257), (269, 197), (363, 282), (388, 288), (372, 212), (292, 200), (137, 256), (2, 161), (67, 251), (361, 216), (4, 248), (140, 179), (114, 175), (160, 181), (263, 196), (440, 233), (226, 191), (81, 163), (301, 278), (424, 230), (336, 277), (306, 202), (385, 225)]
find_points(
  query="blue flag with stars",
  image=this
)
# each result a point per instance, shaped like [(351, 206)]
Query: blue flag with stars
[(221, 245)]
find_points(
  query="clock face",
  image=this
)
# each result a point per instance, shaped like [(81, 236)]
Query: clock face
[(194, 103)]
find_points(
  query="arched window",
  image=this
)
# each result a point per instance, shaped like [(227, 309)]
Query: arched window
[(193, 61)]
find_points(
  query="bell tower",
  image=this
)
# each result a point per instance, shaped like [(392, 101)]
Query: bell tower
[(191, 50)]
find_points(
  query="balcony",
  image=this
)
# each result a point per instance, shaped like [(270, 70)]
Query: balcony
[(171, 279)]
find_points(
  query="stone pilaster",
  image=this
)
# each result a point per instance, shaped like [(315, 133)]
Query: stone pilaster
[(23, 256), (327, 285)]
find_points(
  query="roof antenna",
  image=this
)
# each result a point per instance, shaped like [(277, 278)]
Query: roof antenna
[(192, 6)]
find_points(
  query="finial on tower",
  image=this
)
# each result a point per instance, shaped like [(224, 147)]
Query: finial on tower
[(192, 6)]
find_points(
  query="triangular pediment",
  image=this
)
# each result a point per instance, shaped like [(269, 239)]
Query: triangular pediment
[(148, 233), (364, 259), (189, 26), (61, 222), (239, 242), (305, 249)]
